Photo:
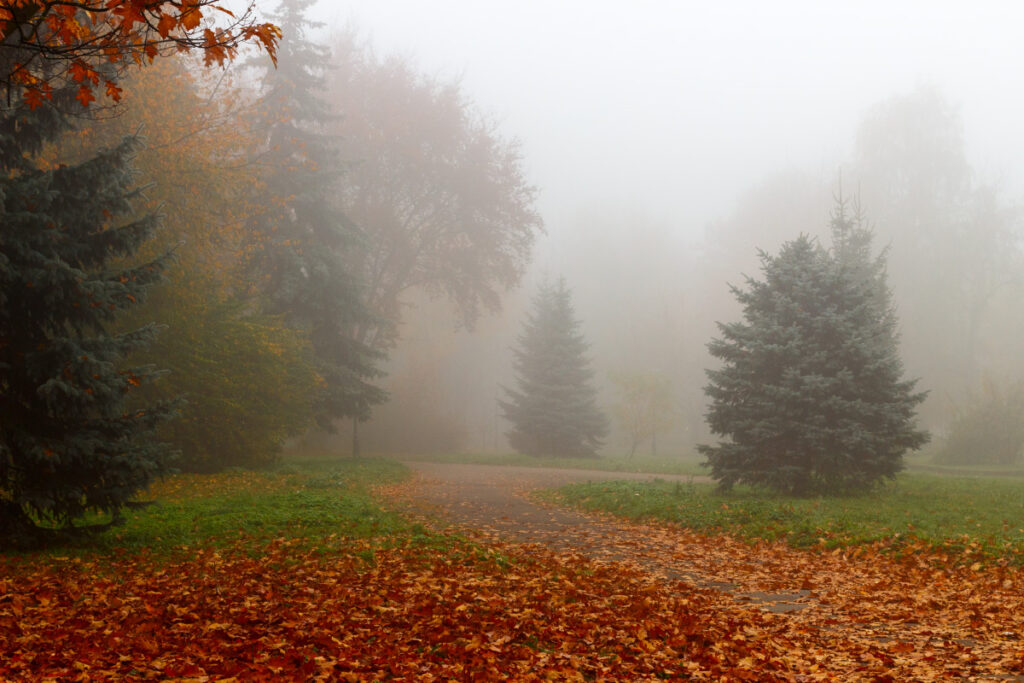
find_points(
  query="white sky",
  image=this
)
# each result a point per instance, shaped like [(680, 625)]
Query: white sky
[(674, 108)]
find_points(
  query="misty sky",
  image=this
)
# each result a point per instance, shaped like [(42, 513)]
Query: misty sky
[(675, 108)]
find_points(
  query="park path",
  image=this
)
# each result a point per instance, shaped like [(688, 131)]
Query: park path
[(867, 611), (493, 502)]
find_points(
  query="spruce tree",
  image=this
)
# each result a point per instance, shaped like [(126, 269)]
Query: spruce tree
[(553, 411), (304, 238), (71, 437), (811, 394)]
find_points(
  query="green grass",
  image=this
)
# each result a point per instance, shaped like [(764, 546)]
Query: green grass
[(318, 501), (948, 513), (639, 463)]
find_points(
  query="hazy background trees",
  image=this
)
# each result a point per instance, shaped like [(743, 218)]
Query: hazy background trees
[(301, 267), (552, 407), (644, 408), (650, 297), (447, 221), (438, 192), (955, 259)]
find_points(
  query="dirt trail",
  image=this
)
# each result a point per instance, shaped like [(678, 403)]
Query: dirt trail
[(922, 619), (493, 501)]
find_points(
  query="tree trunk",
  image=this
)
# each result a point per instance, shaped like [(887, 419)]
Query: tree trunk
[(355, 438)]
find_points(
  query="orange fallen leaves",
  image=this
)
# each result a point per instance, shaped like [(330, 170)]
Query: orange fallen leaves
[(412, 615), (423, 614), (868, 613), (462, 612)]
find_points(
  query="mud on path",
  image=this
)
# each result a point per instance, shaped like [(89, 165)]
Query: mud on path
[(926, 620)]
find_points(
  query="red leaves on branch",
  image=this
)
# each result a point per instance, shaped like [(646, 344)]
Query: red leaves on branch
[(74, 34), (85, 95)]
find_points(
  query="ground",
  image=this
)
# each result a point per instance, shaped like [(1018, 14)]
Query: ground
[(301, 574), (872, 616)]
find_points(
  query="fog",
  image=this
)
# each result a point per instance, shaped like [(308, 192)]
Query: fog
[(675, 107), (670, 141)]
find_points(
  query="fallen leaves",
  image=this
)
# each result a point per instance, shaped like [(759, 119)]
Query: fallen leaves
[(859, 613), (649, 603), (413, 614)]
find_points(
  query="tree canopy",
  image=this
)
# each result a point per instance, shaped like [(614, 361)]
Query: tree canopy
[(439, 194), (811, 395), (47, 43), (303, 240), (71, 438), (553, 410)]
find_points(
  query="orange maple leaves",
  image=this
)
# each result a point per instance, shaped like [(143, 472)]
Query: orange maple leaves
[(410, 614), (415, 613), (66, 40), (467, 612)]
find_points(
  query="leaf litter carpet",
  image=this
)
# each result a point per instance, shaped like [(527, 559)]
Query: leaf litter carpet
[(536, 594), (848, 614)]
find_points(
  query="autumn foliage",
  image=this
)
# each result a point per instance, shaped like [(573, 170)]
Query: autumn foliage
[(297, 617), (245, 377), (45, 42), (469, 613)]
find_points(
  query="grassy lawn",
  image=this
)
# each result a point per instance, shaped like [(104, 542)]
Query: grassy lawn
[(316, 501), (949, 513), (639, 463)]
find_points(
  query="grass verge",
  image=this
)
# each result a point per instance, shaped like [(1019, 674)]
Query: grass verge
[(951, 514), (319, 502)]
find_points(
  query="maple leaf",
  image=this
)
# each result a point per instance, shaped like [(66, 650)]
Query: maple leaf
[(191, 18), (166, 24), (33, 97), (131, 12), (113, 91), (81, 72), (73, 32), (85, 95)]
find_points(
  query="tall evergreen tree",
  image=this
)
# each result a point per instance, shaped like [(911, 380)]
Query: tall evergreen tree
[(811, 393), (554, 411), (71, 439), (303, 237)]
